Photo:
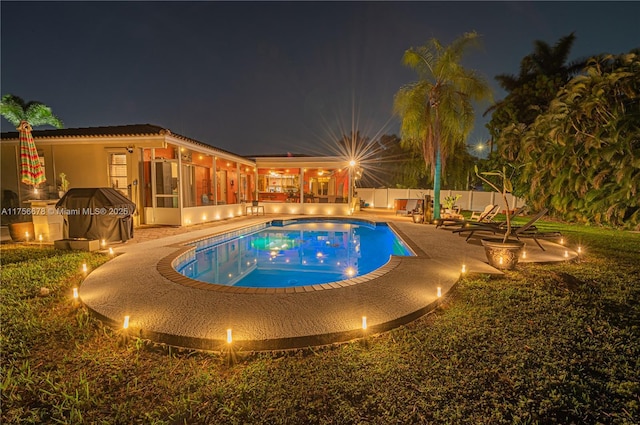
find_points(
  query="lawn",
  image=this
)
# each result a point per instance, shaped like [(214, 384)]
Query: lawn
[(543, 344)]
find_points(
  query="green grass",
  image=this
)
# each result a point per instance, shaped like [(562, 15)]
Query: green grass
[(543, 344)]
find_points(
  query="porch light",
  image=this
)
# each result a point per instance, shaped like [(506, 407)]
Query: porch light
[(125, 325), (439, 292), (364, 323), (229, 338)]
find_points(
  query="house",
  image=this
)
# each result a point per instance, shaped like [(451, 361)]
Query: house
[(174, 179)]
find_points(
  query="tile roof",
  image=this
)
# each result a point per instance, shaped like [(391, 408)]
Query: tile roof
[(115, 130)]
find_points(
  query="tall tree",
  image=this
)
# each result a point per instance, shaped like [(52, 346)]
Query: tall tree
[(437, 110), (16, 110), (589, 143), (542, 73)]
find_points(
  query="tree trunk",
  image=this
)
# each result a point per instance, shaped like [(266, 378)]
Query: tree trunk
[(436, 187)]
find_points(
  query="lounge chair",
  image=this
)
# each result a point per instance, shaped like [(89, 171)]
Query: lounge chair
[(485, 216), (526, 230), (412, 205), (489, 212)]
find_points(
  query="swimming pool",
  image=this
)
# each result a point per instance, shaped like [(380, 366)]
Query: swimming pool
[(291, 253)]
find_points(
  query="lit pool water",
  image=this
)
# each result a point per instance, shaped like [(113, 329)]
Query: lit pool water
[(294, 253)]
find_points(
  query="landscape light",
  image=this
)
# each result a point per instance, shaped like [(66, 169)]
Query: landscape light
[(84, 267), (524, 254), (75, 293), (125, 325), (229, 338), (110, 251), (464, 268), (566, 254), (364, 323), (103, 243), (579, 249), (26, 236), (439, 293)]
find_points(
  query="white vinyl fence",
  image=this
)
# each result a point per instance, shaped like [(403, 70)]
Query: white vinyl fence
[(471, 200)]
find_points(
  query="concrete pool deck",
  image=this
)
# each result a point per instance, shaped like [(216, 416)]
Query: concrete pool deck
[(167, 311)]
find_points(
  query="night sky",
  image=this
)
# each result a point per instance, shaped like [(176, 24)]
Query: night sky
[(268, 77)]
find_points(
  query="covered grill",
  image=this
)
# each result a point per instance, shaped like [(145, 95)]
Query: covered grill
[(97, 213)]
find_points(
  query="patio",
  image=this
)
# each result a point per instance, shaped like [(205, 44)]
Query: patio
[(166, 311)]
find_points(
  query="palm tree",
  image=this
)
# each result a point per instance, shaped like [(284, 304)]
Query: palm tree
[(436, 111), (16, 110)]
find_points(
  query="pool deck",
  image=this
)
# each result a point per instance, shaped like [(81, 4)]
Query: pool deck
[(171, 312)]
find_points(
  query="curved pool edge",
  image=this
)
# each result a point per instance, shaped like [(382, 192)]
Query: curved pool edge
[(189, 317), (167, 266)]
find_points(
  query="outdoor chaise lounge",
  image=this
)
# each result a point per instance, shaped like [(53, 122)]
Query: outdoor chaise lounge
[(526, 230), (412, 205), (487, 215), (489, 212)]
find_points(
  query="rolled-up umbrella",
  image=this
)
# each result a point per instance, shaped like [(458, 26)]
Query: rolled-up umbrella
[(31, 170)]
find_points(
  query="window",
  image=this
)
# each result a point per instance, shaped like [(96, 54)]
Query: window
[(118, 172)]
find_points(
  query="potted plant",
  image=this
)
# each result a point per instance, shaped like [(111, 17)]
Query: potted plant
[(449, 202), (502, 253), (64, 185)]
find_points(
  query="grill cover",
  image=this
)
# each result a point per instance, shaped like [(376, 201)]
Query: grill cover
[(97, 213)]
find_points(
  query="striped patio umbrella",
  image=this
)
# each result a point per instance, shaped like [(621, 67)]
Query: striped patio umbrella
[(31, 170)]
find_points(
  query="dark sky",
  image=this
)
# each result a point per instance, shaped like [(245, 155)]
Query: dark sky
[(269, 77)]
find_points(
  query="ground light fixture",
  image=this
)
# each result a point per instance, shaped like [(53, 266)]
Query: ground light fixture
[(464, 269), (125, 325), (439, 292), (26, 236), (84, 267), (75, 293), (229, 337), (111, 251), (364, 323)]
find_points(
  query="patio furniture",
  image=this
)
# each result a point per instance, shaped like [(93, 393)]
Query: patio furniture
[(526, 230), (487, 214), (412, 205)]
